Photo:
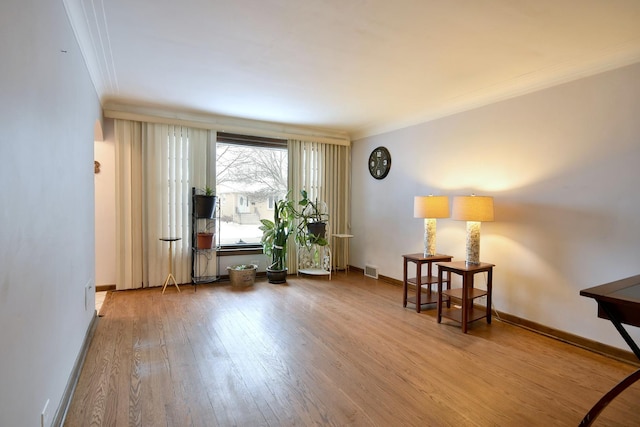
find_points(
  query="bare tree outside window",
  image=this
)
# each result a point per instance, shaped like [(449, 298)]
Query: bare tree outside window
[(247, 177)]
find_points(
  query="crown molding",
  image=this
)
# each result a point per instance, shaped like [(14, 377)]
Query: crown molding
[(115, 110), (89, 24)]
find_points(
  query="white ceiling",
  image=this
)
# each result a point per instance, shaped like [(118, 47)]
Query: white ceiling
[(360, 66)]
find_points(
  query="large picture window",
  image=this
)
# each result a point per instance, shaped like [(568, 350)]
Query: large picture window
[(251, 172)]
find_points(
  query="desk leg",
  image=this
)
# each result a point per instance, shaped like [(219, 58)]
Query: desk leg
[(622, 385), (621, 330), (607, 398), (404, 285)]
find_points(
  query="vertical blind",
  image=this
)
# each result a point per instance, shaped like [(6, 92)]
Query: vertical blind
[(323, 170), (156, 166)]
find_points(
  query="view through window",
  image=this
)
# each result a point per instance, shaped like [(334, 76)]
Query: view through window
[(250, 177)]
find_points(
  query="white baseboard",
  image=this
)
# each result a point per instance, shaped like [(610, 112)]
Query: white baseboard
[(61, 412)]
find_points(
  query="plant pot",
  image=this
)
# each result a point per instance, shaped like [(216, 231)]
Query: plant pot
[(318, 229), (242, 275), (277, 276), (205, 240), (204, 206)]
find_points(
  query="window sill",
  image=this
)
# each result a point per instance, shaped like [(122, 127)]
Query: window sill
[(253, 250)]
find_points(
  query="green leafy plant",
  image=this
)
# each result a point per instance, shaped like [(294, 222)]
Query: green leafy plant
[(242, 267), (310, 213), (275, 234)]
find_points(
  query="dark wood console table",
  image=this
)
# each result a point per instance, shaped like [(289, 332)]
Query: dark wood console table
[(619, 302)]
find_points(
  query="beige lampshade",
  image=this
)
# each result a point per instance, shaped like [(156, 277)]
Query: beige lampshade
[(431, 207), (473, 208)]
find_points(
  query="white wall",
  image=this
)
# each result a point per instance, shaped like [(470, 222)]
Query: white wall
[(47, 116), (562, 165), (105, 207)]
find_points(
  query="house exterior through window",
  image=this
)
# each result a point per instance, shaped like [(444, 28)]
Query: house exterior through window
[(251, 174)]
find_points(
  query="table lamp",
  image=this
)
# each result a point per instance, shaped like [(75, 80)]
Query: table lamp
[(473, 209), (430, 208)]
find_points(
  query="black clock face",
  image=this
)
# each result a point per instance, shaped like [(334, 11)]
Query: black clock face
[(379, 163)]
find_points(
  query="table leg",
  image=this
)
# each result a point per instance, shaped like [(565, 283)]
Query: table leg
[(169, 279), (622, 385), (489, 291), (618, 325), (607, 398), (418, 285), (170, 275), (440, 294), (465, 301), (404, 285), (429, 273), (346, 256)]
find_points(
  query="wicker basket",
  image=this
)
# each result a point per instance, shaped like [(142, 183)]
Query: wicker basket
[(242, 275)]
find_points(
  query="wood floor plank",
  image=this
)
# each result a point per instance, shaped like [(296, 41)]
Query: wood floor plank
[(319, 352)]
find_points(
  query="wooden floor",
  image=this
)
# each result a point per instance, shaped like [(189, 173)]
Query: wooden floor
[(338, 353)]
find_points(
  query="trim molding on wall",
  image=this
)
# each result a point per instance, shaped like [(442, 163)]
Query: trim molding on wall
[(578, 341), (67, 395), (115, 110)]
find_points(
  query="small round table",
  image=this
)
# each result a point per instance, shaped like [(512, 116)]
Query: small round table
[(344, 250), (170, 275)]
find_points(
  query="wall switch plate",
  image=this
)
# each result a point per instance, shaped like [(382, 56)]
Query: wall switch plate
[(45, 416)]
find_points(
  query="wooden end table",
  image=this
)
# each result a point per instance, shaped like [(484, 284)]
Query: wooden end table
[(420, 280), (468, 313)]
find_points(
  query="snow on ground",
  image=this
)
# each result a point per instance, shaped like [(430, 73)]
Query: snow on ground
[(230, 232)]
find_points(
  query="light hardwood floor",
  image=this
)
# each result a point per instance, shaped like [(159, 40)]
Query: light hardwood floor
[(318, 352)]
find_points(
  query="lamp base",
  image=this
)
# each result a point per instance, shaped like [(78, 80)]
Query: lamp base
[(429, 237), (473, 242)]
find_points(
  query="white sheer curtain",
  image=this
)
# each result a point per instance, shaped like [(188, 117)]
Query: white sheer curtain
[(323, 170), (156, 166)]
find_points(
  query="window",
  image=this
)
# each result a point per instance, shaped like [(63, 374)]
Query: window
[(251, 173)]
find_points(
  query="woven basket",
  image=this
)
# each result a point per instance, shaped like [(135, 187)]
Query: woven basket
[(242, 277)]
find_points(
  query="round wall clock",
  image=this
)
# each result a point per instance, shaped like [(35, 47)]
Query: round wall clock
[(379, 163)]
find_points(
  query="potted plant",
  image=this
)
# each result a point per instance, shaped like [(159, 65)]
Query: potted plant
[(205, 204), (242, 274), (275, 235), (204, 240), (313, 222)]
